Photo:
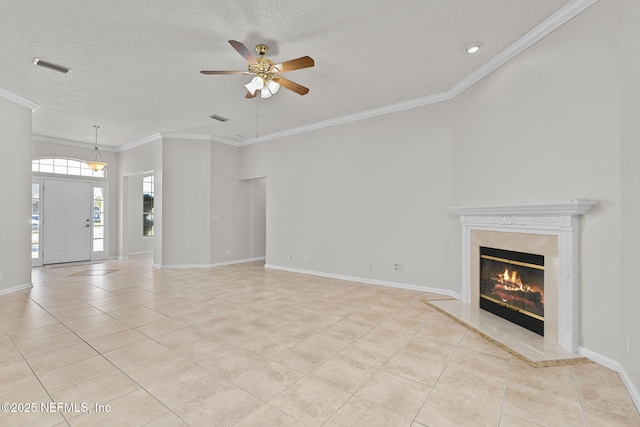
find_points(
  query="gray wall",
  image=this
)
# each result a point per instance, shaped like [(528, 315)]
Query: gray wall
[(630, 157), (15, 195), (380, 186), (186, 196), (258, 220)]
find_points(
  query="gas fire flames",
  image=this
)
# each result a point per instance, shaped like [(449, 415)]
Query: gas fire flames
[(512, 282)]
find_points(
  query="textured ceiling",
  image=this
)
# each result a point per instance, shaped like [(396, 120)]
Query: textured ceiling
[(135, 64)]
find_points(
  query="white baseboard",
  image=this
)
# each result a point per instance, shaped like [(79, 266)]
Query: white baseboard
[(367, 281), (614, 366), (239, 261), (219, 264), (139, 253), (181, 266), (16, 288)]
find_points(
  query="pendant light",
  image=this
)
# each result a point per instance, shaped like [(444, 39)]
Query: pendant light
[(96, 162)]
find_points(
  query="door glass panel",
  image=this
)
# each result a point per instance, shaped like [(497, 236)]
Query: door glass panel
[(148, 194), (98, 219), (98, 232), (35, 220)]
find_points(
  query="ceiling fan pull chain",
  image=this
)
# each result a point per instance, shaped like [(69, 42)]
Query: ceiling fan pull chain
[(257, 108)]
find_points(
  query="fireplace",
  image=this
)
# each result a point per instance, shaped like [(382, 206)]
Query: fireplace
[(512, 286), (549, 229)]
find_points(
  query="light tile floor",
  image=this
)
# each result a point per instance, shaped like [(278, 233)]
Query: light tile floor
[(244, 346)]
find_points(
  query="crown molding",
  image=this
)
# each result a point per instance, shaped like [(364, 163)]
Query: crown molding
[(134, 144), (393, 108), (77, 144), (199, 137), (139, 142), (172, 135), (564, 14), (18, 100), (559, 18)]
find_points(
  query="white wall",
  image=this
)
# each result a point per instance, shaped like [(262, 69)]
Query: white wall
[(15, 196), (336, 194)]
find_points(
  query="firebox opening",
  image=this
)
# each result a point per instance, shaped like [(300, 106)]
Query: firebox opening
[(512, 287)]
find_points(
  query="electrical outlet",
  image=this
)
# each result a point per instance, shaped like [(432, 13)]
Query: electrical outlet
[(368, 256), (306, 259), (290, 257), (368, 266), (228, 251), (626, 343), (0, 274), (396, 269)]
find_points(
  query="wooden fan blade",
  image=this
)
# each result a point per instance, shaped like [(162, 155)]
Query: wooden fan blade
[(223, 72), (248, 95), (296, 64), (293, 86), (242, 50)]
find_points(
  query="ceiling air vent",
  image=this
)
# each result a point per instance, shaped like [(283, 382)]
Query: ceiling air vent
[(51, 66), (219, 118)]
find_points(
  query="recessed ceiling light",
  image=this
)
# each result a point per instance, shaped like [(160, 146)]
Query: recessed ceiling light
[(473, 47), (51, 66)]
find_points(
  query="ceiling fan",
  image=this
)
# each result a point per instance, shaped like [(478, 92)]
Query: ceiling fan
[(267, 78)]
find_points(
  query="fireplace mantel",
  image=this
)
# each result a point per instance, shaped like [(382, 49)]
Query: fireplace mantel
[(556, 219)]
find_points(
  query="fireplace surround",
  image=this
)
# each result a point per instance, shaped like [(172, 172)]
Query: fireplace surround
[(552, 230)]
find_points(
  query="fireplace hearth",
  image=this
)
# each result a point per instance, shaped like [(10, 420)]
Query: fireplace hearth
[(512, 287)]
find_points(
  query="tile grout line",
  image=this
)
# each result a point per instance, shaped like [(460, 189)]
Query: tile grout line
[(99, 353)]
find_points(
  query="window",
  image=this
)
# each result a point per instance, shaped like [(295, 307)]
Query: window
[(35, 220), (98, 219), (148, 192), (65, 167)]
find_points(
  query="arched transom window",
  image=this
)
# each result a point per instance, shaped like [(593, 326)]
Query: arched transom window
[(65, 166)]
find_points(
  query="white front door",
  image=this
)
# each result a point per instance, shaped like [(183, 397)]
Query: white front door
[(67, 221)]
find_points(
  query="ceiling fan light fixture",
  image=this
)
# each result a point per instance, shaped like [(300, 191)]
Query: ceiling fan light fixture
[(265, 93), (256, 83), (273, 87)]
